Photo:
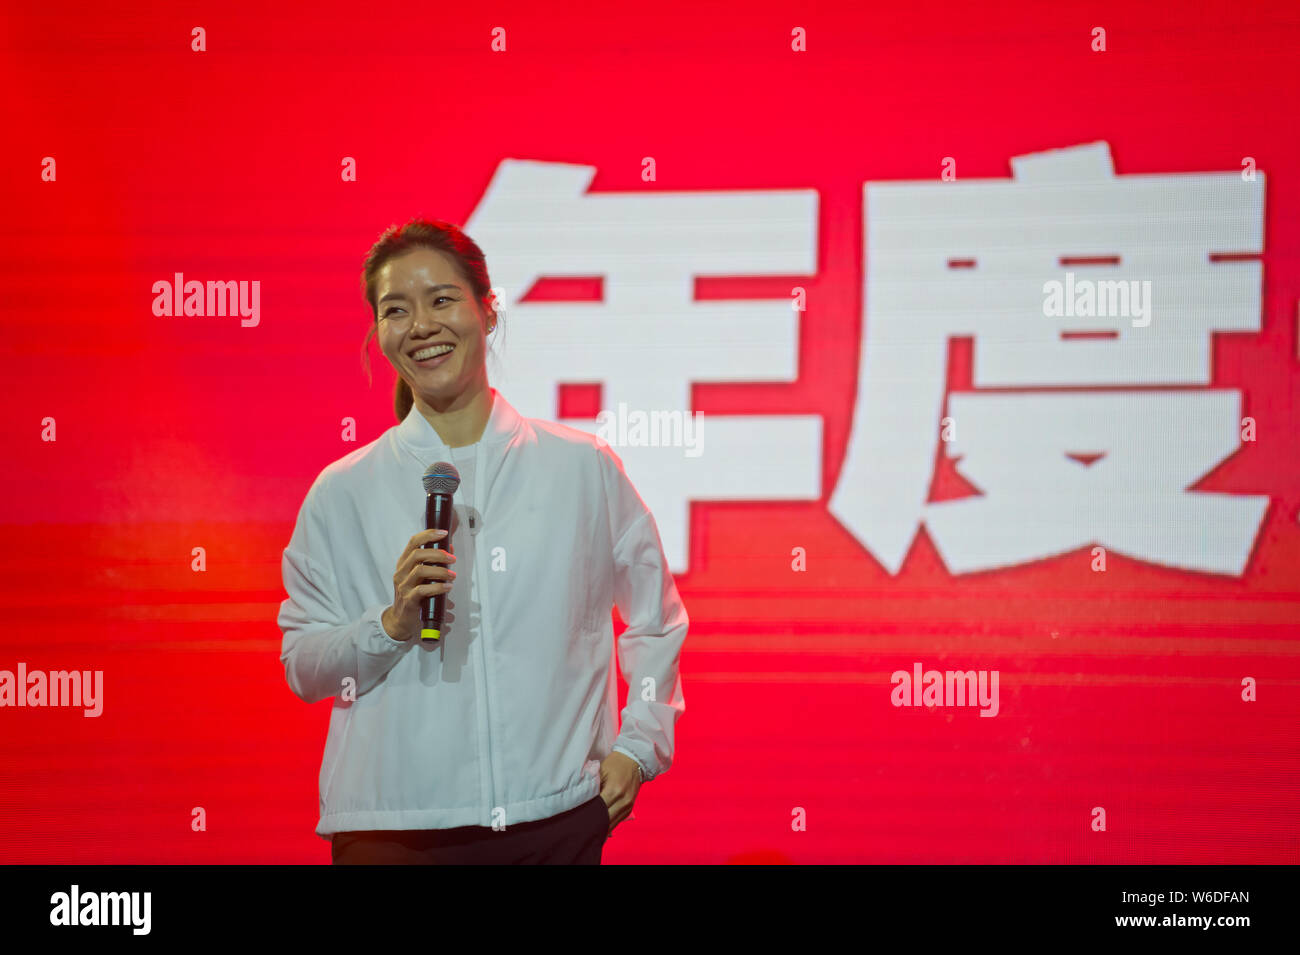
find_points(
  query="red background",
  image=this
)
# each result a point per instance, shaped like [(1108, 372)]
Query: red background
[(1119, 690)]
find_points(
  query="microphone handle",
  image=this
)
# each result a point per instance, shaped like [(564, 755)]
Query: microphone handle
[(437, 514)]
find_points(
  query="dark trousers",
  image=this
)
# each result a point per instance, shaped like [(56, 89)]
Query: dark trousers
[(574, 837)]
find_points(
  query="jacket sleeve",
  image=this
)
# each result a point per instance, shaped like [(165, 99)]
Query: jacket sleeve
[(649, 650), (321, 646)]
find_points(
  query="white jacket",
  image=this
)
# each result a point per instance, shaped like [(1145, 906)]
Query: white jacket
[(509, 719)]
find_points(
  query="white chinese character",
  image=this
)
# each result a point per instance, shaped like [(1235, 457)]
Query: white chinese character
[(648, 341), (996, 260)]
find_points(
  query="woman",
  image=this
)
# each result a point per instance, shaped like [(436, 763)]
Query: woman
[(497, 742)]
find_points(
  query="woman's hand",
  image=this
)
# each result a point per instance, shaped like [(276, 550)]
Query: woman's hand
[(419, 576), (620, 780)]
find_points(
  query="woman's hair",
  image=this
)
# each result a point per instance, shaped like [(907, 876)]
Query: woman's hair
[(420, 234)]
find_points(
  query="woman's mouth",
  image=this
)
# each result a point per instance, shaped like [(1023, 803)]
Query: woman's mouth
[(433, 356)]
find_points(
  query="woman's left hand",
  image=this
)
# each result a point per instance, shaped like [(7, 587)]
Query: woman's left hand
[(620, 779)]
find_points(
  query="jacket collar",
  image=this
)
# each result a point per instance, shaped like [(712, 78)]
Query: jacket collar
[(421, 439)]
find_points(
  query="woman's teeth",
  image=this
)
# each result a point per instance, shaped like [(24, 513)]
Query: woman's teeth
[(432, 352)]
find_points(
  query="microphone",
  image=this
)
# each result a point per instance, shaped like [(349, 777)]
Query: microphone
[(440, 483)]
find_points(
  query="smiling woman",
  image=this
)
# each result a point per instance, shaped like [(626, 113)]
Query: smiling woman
[(503, 742), (431, 305)]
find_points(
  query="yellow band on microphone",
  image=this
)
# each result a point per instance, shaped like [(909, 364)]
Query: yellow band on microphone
[(429, 634)]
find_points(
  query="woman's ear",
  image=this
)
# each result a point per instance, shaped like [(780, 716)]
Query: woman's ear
[(490, 310)]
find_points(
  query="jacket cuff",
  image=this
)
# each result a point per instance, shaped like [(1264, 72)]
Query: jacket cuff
[(374, 638)]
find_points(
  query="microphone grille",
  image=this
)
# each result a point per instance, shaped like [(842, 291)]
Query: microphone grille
[(441, 478)]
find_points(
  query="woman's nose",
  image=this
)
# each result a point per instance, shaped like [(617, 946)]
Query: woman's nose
[(421, 321)]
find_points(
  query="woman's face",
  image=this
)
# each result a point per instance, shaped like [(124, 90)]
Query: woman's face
[(423, 302)]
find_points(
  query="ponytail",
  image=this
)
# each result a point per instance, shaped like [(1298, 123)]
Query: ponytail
[(403, 401)]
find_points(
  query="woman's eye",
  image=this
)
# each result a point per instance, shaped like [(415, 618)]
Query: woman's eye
[(390, 310)]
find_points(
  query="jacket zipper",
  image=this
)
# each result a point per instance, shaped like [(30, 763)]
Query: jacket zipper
[(480, 479)]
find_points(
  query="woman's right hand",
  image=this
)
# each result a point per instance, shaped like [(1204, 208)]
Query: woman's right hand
[(420, 575)]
